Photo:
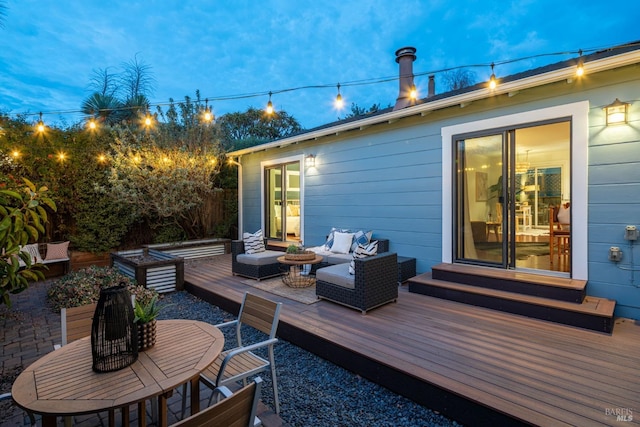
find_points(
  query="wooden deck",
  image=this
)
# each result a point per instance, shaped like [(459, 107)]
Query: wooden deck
[(474, 365)]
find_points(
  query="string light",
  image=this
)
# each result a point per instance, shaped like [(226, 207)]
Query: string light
[(92, 124), (339, 102), (580, 67), (492, 80), (148, 121), (15, 154), (40, 125), (378, 80), (102, 158), (208, 116), (413, 93), (269, 109)]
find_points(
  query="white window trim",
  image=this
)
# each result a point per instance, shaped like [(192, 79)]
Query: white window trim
[(266, 163), (579, 114)]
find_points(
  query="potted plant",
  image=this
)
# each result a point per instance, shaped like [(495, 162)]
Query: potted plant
[(298, 253), (145, 315)]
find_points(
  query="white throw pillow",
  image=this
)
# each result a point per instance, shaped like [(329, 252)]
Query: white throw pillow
[(329, 243), (253, 243), (341, 243), (32, 250)]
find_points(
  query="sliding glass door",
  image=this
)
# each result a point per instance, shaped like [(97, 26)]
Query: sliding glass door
[(282, 196), (509, 186)]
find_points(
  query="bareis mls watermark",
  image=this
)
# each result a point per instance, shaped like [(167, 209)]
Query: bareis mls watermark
[(621, 414)]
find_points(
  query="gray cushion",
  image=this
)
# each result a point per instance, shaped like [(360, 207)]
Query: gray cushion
[(339, 258), (260, 258), (338, 275)]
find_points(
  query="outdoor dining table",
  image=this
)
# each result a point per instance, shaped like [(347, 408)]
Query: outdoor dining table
[(63, 383)]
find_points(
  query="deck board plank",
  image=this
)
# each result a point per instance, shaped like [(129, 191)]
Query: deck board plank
[(535, 371)]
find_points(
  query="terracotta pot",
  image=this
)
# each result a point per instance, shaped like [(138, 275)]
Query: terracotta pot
[(146, 335)]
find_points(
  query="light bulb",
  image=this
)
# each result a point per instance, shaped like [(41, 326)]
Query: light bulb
[(269, 108), (413, 92)]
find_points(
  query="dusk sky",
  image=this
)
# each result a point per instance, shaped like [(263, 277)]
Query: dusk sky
[(49, 48)]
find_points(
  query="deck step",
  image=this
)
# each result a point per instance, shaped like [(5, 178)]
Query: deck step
[(591, 313), (553, 287)]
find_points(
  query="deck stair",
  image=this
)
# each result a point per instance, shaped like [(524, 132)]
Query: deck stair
[(556, 299)]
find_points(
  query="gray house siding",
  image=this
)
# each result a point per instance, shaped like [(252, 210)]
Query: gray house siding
[(388, 178)]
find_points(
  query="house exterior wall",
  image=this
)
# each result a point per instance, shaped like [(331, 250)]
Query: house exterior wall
[(388, 178)]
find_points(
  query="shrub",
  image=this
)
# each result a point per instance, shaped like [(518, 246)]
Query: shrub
[(83, 287)]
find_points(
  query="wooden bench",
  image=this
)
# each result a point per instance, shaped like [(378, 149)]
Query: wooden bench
[(63, 263)]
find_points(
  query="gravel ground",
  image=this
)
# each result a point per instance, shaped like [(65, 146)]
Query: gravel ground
[(313, 391)]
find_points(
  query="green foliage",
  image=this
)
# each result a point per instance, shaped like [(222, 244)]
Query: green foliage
[(146, 312), (83, 287), (101, 221), (357, 111), (254, 126), (166, 174), (169, 233), (23, 216), (292, 249)]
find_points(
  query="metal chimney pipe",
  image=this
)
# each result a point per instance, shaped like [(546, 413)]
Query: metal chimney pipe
[(405, 57), (432, 86)]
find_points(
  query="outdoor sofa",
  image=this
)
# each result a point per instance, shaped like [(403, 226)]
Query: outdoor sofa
[(257, 266)]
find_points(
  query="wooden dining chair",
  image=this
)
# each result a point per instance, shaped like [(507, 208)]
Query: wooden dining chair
[(75, 322), (240, 363), (558, 238), (235, 410)]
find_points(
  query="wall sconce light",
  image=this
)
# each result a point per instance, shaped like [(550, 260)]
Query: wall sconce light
[(617, 112), (310, 161)]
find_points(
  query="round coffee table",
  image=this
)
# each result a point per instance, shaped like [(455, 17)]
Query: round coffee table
[(292, 272)]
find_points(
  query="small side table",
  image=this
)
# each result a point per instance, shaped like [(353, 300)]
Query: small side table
[(292, 269), (406, 268)]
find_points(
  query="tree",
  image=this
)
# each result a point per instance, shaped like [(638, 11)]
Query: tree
[(105, 107), (166, 174), (120, 96), (22, 219), (256, 126), (357, 111), (458, 78)]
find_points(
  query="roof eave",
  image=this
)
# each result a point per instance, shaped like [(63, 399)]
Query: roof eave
[(566, 73)]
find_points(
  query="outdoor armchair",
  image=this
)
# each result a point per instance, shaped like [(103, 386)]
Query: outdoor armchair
[(374, 283), (240, 363)]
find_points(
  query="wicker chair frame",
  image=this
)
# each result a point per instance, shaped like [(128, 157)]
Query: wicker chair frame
[(376, 283), (257, 272)]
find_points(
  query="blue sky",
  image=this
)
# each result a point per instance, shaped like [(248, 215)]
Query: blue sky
[(49, 48)]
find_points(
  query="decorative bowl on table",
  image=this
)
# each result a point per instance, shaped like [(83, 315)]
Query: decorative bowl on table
[(300, 256)]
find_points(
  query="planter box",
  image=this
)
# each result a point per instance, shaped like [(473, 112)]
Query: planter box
[(192, 249), (151, 268)]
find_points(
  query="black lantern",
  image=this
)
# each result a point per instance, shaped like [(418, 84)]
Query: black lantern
[(114, 336)]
